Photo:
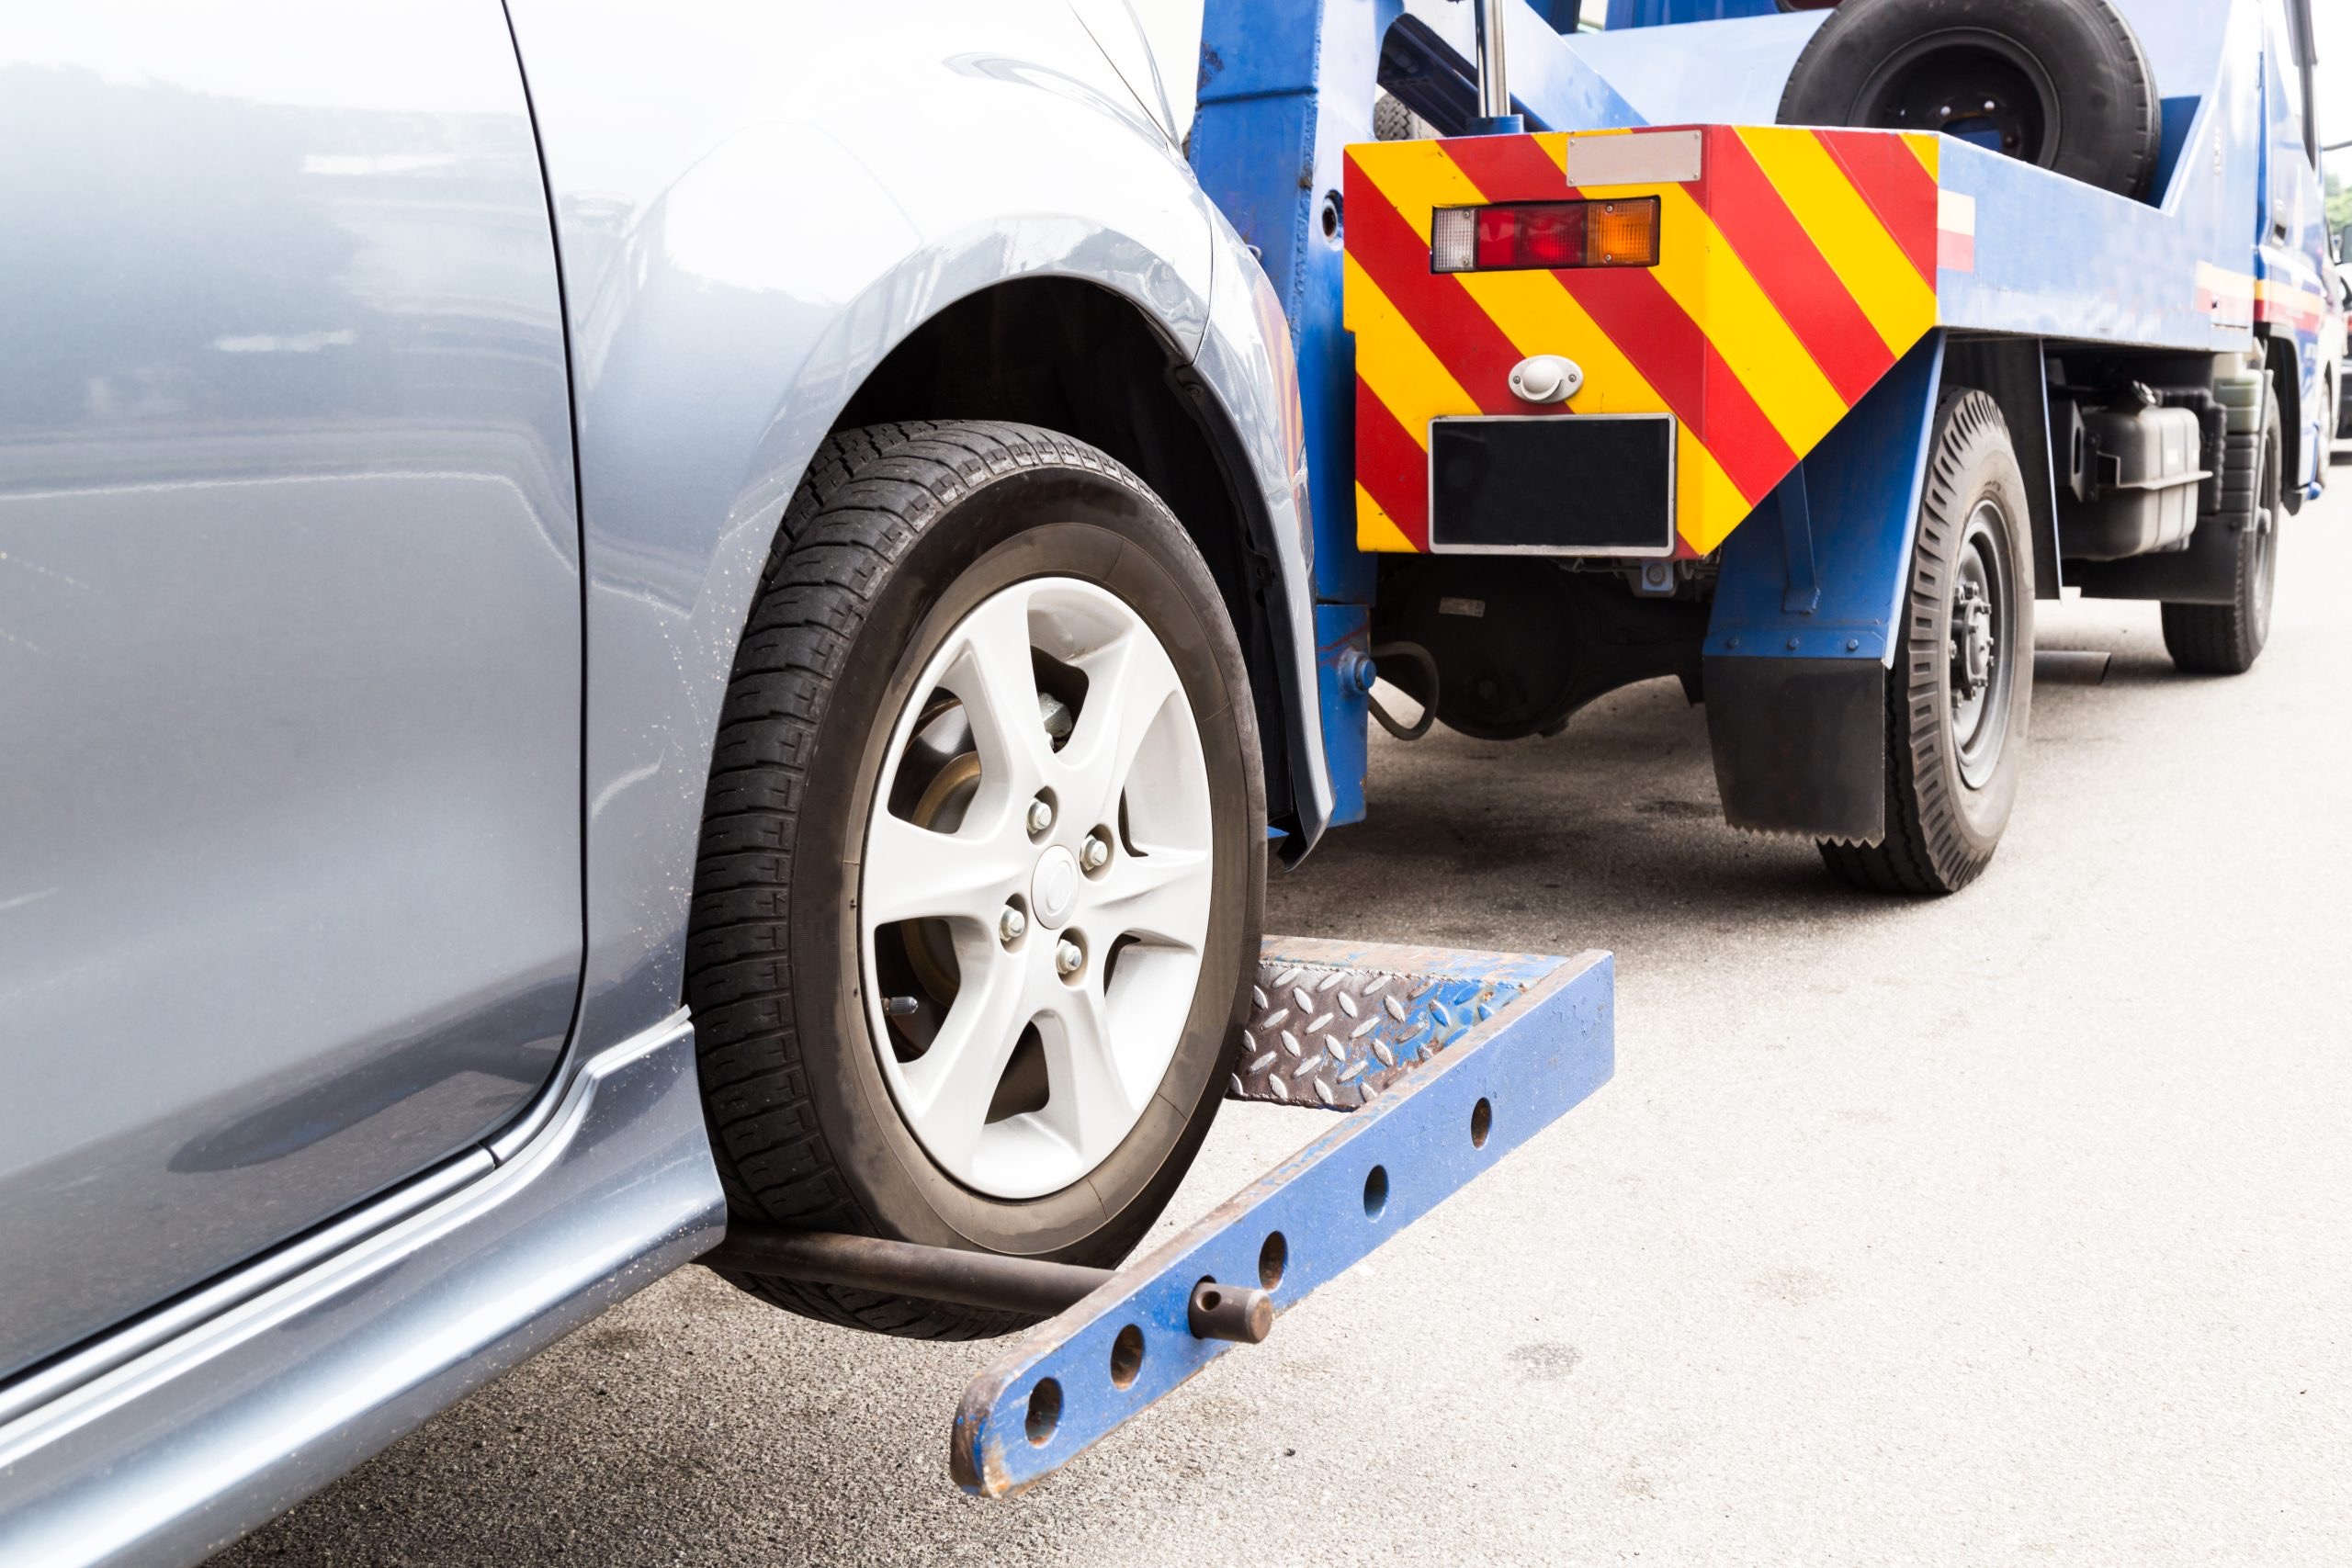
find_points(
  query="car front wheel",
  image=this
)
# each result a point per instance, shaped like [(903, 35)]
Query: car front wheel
[(981, 881)]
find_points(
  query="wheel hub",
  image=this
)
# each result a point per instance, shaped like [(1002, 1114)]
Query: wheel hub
[(1978, 655), (1035, 890), (1973, 640), (1053, 886)]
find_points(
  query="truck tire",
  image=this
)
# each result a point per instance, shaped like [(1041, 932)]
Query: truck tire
[(1960, 692), (987, 675), (2225, 639), (2058, 83)]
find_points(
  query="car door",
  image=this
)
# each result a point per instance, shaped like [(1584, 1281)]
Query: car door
[(290, 649)]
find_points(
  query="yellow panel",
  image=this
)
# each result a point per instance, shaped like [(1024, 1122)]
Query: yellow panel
[(1394, 361), (1856, 244), (1416, 177), (1707, 505), (1374, 531), (1540, 317)]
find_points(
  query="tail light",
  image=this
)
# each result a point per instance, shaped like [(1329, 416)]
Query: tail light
[(1545, 234)]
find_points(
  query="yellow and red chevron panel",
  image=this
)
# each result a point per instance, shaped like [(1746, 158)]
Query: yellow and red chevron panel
[(1792, 274)]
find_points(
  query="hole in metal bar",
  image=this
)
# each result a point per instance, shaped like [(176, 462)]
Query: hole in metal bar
[(1272, 1258), (1126, 1356), (1045, 1410), (1375, 1191), (1482, 1122)]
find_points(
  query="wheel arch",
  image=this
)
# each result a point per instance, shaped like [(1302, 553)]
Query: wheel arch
[(2282, 357), (1070, 355)]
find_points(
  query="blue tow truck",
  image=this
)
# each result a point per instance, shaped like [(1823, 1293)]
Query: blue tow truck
[(2102, 219)]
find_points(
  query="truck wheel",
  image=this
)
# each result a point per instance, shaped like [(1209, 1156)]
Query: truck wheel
[(981, 875), (1963, 682), (2059, 83), (2225, 639)]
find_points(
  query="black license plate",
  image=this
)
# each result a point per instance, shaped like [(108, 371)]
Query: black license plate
[(1562, 485)]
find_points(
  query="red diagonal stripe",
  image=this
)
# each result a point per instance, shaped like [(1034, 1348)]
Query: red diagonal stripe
[(1509, 168), (1392, 468), (1791, 269), (1666, 346), (1648, 326), (1897, 185), (1434, 304)]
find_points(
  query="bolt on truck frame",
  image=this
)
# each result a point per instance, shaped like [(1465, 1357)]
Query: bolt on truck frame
[(1634, 368)]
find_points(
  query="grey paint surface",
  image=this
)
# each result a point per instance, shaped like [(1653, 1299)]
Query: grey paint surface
[(290, 630), (2005, 1228), (182, 1449)]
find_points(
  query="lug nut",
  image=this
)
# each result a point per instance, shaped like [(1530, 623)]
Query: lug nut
[(1069, 958), (1094, 854), (1012, 923), (1041, 815)]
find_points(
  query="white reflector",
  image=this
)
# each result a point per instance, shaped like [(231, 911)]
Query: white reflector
[(1453, 239)]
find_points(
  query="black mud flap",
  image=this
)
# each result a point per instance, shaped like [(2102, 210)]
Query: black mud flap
[(2205, 572), (1799, 745)]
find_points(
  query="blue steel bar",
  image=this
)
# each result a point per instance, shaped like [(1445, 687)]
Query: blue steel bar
[(1540, 1038)]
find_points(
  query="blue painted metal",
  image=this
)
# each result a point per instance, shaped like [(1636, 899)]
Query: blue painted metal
[(1625, 14), (1544, 1049), (1746, 62), (1282, 91), (1861, 486), (1343, 639), (1803, 594)]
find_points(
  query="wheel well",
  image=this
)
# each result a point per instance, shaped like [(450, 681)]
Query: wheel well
[(1075, 358), (2287, 375)]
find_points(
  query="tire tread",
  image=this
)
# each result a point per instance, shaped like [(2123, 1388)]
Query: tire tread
[(867, 494)]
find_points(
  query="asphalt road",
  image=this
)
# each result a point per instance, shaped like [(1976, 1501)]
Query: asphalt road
[(2015, 1226)]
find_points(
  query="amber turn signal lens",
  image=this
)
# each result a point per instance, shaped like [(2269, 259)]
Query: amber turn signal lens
[(1620, 233)]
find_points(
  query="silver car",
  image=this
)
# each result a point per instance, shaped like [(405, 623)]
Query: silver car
[(611, 614)]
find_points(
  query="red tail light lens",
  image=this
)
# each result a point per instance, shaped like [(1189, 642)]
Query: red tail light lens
[(1545, 234)]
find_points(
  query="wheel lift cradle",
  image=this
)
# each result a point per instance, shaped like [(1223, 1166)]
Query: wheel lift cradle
[(1440, 1061)]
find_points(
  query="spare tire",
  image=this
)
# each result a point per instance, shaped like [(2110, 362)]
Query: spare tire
[(2058, 83)]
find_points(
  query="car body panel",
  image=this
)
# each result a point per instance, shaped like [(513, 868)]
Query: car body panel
[(289, 592)]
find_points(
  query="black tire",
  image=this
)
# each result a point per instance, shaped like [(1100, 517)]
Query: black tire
[(2225, 639), (896, 532), (2070, 87), (1952, 761)]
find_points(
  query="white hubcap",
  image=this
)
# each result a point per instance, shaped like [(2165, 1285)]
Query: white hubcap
[(1022, 1061)]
